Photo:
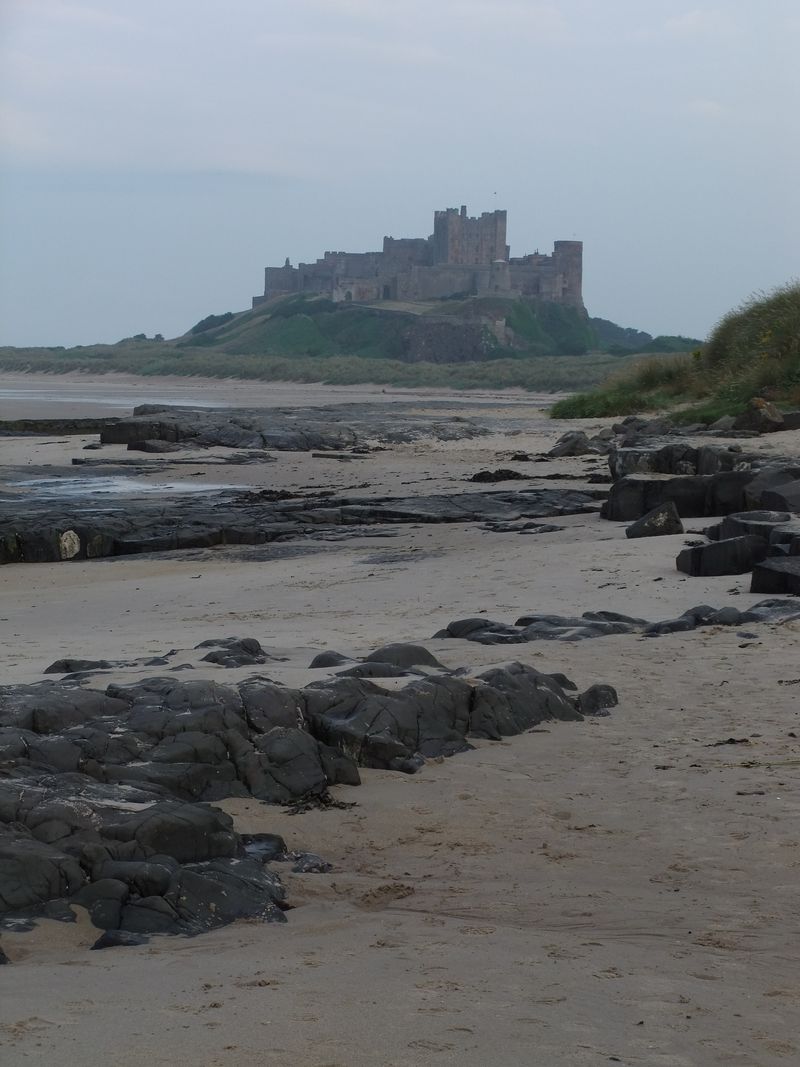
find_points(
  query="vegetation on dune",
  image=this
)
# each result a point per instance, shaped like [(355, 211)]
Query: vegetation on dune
[(545, 374), (543, 347), (753, 351), (210, 321)]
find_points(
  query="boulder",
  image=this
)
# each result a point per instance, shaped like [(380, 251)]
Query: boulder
[(760, 523), (736, 555), (768, 480), (328, 659), (785, 497), (373, 670), (207, 895), (404, 655), (573, 443), (661, 521), (32, 872), (760, 416), (234, 651), (502, 474), (75, 666), (597, 700), (723, 424), (777, 576), (694, 496), (517, 697)]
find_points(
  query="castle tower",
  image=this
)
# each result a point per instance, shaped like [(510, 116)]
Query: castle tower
[(568, 268), (459, 240)]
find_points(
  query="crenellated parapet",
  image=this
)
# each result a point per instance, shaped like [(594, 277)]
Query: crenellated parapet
[(463, 256)]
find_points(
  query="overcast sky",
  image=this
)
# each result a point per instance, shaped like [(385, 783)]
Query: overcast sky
[(157, 154)]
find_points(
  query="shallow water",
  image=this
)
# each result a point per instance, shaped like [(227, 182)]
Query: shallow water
[(52, 395), (119, 485)]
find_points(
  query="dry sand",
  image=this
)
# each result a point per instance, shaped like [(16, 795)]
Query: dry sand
[(618, 890)]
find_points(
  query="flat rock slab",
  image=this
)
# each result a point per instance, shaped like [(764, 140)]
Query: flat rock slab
[(296, 429), (49, 530), (735, 555), (540, 627)]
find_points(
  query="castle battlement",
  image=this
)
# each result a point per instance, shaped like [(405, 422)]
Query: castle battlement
[(464, 256)]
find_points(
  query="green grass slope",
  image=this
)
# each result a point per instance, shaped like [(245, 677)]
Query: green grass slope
[(316, 327), (753, 351), (525, 344)]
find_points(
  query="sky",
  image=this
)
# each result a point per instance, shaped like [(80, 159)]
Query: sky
[(155, 156)]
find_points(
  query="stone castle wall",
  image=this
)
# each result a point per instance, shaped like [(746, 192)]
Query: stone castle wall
[(463, 256)]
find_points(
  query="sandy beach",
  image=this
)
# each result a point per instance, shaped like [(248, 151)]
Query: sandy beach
[(617, 890)]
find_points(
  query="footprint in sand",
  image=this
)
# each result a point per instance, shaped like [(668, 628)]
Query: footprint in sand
[(383, 895)]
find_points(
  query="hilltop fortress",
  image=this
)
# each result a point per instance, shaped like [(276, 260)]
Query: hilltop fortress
[(463, 257)]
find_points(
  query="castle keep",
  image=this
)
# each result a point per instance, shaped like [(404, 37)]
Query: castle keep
[(463, 257)]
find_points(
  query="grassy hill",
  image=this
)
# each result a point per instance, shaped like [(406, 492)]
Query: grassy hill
[(313, 326), (753, 351), (461, 343)]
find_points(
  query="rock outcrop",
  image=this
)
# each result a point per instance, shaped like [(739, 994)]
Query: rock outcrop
[(107, 795), (543, 627)]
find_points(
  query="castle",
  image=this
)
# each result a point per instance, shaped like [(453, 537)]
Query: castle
[(463, 257)]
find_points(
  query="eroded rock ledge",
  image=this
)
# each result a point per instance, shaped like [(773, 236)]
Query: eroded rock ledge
[(105, 795), (52, 531), (544, 627)]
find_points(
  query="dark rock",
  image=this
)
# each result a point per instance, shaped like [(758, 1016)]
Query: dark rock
[(760, 416), (597, 700), (760, 523), (682, 624), (503, 474), (669, 459), (606, 623), (75, 666), (785, 497), (32, 871), (100, 799), (234, 652), (635, 495), (85, 530), (211, 894), (328, 659), (732, 556), (777, 576), (725, 617), (404, 655), (694, 497), (726, 422), (514, 698), (103, 899), (153, 446), (151, 915), (726, 492), (264, 847), (310, 863), (142, 878), (767, 480), (120, 939), (662, 520), (373, 670), (575, 443)]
